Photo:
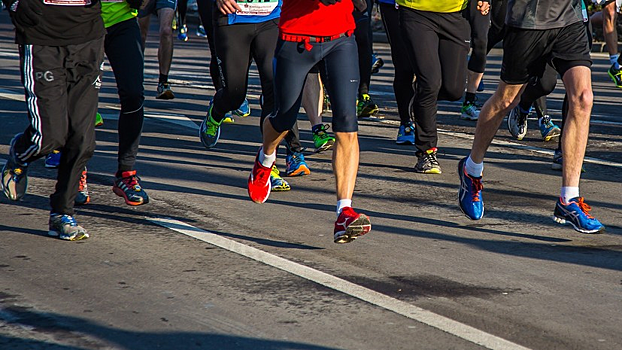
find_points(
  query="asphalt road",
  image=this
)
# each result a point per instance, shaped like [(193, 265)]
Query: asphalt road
[(202, 267)]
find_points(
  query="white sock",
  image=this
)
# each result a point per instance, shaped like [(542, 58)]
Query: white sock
[(613, 59), (569, 193), (267, 159), (474, 169), (342, 203)]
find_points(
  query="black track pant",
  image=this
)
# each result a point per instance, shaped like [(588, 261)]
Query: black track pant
[(438, 44), (235, 45), (123, 46), (404, 73), (182, 10), (61, 83), (206, 10), (364, 42), (479, 38)]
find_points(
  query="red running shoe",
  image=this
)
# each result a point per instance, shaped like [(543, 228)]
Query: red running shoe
[(350, 225), (128, 187), (259, 184)]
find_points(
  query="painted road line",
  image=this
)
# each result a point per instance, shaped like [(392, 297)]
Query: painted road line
[(418, 314), (514, 145), (12, 95)]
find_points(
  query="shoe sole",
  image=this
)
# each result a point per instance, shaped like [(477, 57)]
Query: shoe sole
[(611, 76), (357, 228), (555, 133), (119, 192), (77, 237), (404, 143), (302, 171), (517, 137), (325, 147), (563, 221), (166, 95), (461, 175), (369, 113), (433, 171), (88, 200)]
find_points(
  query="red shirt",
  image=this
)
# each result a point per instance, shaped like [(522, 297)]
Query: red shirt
[(312, 18)]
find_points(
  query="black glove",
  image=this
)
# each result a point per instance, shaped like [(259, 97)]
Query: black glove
[(25, 13), (135, 4), (329, 2)]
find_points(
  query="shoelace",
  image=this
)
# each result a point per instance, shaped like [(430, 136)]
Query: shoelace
[(478, 186), (585, 208), (130, 181), (82, 184), (212, 127)]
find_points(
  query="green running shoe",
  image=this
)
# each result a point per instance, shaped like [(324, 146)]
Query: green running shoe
[(321, 138), (365, 107)]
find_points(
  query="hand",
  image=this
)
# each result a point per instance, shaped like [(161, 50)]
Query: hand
[(360, 5), (135, 4), (483, 7), (25, 13), (329, 2), (228, 7)]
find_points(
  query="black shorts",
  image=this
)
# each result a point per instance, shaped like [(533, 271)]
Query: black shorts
[(526, 52)]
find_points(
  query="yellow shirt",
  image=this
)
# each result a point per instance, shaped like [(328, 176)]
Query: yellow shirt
[(443, 6)]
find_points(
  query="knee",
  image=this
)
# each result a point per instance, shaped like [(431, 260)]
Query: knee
[(583, 100), (428, 89), (453, 93), (166, 32), (132, 101)]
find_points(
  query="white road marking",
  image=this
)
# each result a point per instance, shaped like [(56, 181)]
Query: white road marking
[(515, 145), (418, 314), (12, 95)]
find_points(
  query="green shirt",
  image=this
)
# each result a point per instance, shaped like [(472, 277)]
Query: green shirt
[(114, 12)]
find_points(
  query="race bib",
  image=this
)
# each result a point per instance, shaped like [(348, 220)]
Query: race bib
[(67, 2), (257, 7)]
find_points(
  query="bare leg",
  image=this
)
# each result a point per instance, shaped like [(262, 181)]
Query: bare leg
[(271, 138), (578, 83), (345, 163), (504, 99), (165, 51), (473, 80), (313, 98), (609, 28)]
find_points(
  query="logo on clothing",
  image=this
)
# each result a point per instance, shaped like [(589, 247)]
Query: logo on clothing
[(97, 83), (47, 75)]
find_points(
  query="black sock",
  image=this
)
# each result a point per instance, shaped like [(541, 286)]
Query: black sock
[(163, 78), (469, 97)]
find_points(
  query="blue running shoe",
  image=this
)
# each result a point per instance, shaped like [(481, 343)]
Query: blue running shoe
[(406, 135), (209, 132), (65, 227), (577, 213), (548, 129), (14, 174), (278, 184), (183, 33), (296, 165), (470, 193), (52, 160), (244, 110)]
